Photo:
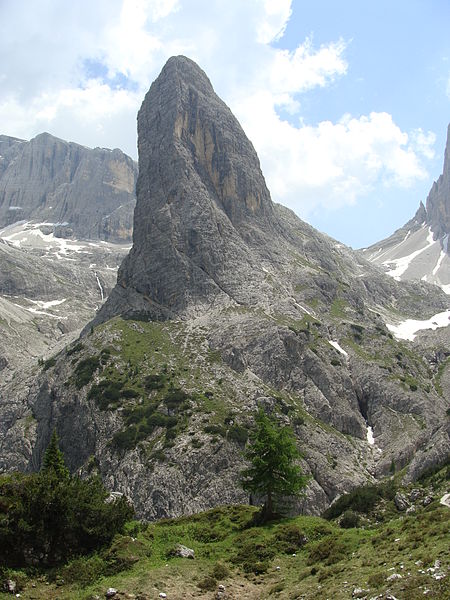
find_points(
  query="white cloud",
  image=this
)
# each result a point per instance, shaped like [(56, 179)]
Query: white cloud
[(61, 67), (94, 115), (423, 142), (332, 164), (272, 22), (305, 68)]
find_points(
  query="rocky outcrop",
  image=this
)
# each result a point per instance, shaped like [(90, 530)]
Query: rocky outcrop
[(83, 193), (49, 288)]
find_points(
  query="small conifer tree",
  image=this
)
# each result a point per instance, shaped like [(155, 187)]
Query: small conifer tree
[(53, 462), (273, 472)]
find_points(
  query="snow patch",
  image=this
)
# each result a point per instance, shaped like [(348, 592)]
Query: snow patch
[(45, 305), (35, 311), (370, 438), (337, 347), (302, 308), (390, 249), (408, 329), (438, 264), (23, 232), (100, 286), (400, 265)]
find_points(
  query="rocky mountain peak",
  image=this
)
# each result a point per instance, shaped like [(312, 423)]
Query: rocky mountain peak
[(438, 200), (182, 111), (227, 303), (421, 215), (203, 207)]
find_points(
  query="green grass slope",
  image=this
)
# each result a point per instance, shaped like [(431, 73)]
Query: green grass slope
[(404, 554)]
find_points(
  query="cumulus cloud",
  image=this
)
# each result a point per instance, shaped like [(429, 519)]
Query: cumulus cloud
[(332, 164), (81, 74), (272, 22)]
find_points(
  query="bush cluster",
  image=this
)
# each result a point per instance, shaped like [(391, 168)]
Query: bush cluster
[(362, 499), (142, 420), (84, 370), (289, 538), (253, 554), (46, 519), (238, 434), (110, 391)]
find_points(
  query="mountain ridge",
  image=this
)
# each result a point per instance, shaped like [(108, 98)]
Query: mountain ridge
[(79, 191)]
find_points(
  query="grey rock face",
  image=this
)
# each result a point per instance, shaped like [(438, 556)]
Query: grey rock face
[(49, 288), (203, 203), (184, 551), (84, 193), (401, 502), (438, 200)]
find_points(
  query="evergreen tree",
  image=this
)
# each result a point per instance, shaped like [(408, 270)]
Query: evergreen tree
[(53, 462), (273, 473), (49, 517)]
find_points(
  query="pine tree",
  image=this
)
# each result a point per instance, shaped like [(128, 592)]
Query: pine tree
[(273, 473), (53, 463)]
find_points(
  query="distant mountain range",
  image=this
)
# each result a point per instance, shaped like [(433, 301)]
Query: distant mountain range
[(76, 191), (419, 250)]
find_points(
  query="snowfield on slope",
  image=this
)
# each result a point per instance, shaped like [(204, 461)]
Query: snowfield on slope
[(407, 330)]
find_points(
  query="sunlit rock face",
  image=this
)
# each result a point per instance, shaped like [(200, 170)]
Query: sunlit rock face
[(204, 210), (438, 200)]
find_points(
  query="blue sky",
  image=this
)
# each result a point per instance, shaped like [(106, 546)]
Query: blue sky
[(399, 62), (347, 103)]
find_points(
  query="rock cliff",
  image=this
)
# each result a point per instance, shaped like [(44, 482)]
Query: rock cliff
[(228, 302), (84, 193), (438, 200)]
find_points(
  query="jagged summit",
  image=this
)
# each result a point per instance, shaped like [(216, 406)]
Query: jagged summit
[(419, 250), (203, 206), (185, 117)]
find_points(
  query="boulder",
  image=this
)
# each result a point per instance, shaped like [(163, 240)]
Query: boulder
[(414, 495), (183, 551), (401, 502), (10, 586), (359, 593)]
